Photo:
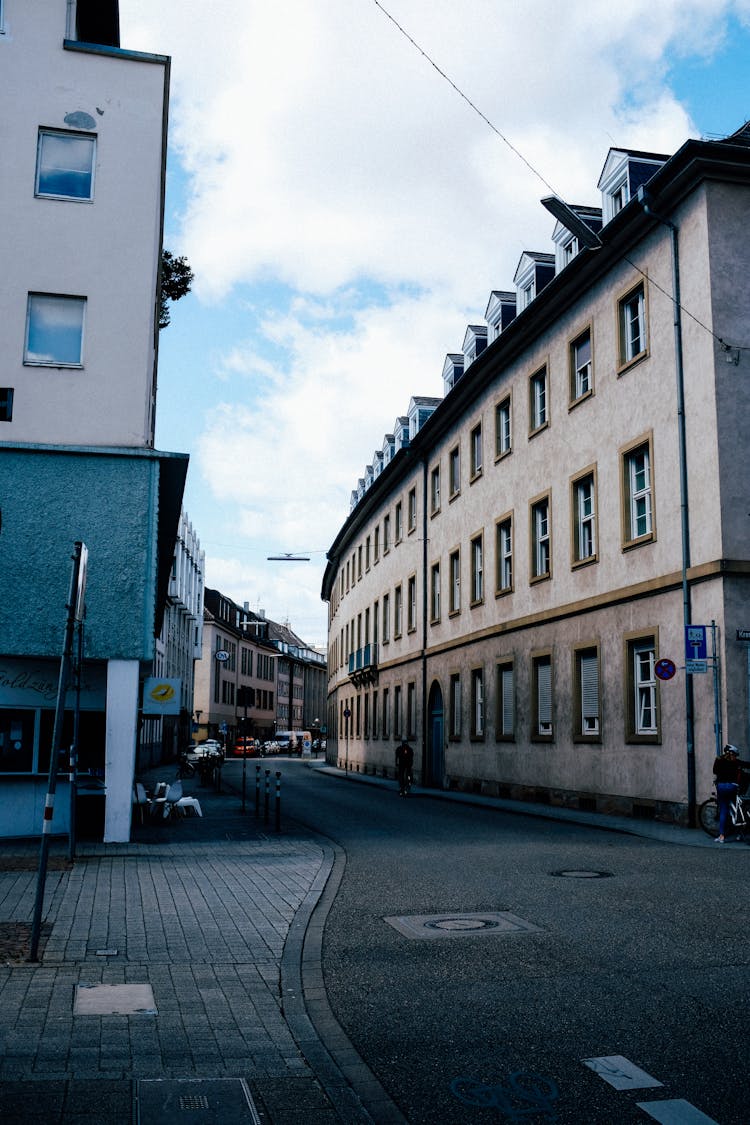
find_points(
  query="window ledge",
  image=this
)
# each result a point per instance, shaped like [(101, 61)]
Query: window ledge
[(632, 362), (632, 544), (574, 402)]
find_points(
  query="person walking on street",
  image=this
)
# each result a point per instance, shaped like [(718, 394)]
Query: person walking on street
[(727, 774), (404, 763)]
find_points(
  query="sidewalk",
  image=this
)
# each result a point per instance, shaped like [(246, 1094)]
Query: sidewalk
[(648, 829), (162, 960)]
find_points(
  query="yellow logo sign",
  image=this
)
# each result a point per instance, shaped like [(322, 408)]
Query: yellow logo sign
[(162, 693)]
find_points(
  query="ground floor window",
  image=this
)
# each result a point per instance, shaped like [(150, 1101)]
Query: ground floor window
[(26, 739)]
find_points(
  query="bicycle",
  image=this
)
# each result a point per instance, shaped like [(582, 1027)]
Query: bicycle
[(739, 815), (521, 1096), (405, 786)]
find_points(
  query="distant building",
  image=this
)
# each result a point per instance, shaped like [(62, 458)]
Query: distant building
[(576, 500)]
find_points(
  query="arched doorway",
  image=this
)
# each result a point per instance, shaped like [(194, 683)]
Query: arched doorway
[(435, 764)]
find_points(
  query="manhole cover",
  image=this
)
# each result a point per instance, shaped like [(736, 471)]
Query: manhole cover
[(461, 924), (114, 1000), (575, 873), (197, 1101)]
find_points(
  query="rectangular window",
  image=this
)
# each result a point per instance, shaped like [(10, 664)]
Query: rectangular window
[(632, 325), (540, 539), (542, 688), (455, 705), (435, 490), (399, 522), (397, 730), (65, 165), (411, 604), (504, 555), (411, 710), (398, 611), (642, 709), (366, 730), (386, 713), (637, 489), (386, 618), (455, 581), (581, 371), (367, 553), (454, 471), (477, 703), (375, 714), (359, 564), (54, 330), (386, 534), (435, 592), (375, 622), (412, 509), (502, 428), (506, 711), (584, 518), (538, 412), (476, 451), (6, 404), (587, 692), (477, 569), (376, 543)]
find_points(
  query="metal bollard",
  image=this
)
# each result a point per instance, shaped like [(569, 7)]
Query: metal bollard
[(278, 800), (257, 790), (268, 795)]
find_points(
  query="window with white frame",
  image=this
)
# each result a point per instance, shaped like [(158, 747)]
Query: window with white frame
[(454, 471), (54, 330), (454, 563), (386, 534), (411, 710), (375, 714), (542, 686), (398, 611), (455, 705), (643, 713), (65, 165), (502, 428), (376, 543), (504, 555), (587, 692), (435, 592), (412, 509), (581, 370), (477, 569), (632, 325), (386, 618), (411, 603), (540, 539), (386, 724), (399, 524), (506, 717), (538, 412), (477, 703), (476, 450), (397, 729), (638, 500), (435, 490), (584, 518)]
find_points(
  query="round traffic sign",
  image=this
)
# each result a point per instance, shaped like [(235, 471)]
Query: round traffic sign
[(665, 669)]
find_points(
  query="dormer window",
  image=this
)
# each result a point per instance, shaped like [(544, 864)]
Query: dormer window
[(569, 250), (475, 341), (625, 170), (500, 312), (535, 270)]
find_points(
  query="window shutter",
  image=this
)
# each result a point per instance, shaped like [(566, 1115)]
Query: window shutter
[(544, 692), (590, 686), (506, 688)]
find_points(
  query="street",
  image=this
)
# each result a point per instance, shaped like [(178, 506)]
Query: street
[(590, 945)]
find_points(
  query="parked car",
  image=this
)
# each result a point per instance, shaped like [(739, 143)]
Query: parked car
[(211, 748), (246, 747)]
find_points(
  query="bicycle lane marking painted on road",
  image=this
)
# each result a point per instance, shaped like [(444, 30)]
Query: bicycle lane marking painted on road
[(622, 1074)]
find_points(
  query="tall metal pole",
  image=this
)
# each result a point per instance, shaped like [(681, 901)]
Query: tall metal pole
[(75, 610), (73, 775)]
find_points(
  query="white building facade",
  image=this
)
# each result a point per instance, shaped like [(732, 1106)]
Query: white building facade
[(511, 593)]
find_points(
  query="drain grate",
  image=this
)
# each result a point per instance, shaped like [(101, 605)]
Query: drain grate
[(207, 1101), (461, 924), (193, 1101)]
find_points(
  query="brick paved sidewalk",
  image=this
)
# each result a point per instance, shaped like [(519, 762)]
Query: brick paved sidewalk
[(197, 910)]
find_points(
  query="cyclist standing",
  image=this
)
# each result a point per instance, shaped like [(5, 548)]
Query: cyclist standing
[(727, 773)]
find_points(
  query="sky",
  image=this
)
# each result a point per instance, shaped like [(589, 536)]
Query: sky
[(347, 213)]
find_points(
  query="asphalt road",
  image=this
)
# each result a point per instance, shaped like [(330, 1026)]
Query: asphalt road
[(649, 961)]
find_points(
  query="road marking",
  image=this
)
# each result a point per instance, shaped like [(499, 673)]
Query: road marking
[(621, 1073), (677, 1112)]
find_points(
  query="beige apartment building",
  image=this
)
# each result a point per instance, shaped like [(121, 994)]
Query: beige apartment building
[(513, 586)]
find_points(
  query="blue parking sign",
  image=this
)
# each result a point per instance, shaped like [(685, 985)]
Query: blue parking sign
[(695, 642)]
